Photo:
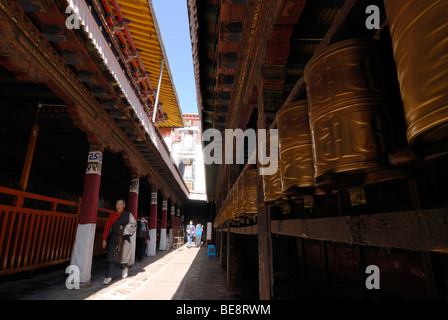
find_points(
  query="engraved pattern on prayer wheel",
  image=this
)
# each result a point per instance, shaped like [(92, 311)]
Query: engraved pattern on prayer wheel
[(419, 31), (240, 195), (348, 99), (249, 182), (234, 200), (272, 184), (225, 210), (295, 146), (228, 208)]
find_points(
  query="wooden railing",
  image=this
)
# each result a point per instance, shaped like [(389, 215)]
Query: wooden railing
[(38, 231)]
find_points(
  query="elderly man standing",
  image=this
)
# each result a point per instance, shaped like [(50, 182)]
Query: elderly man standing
[(190, 233), (120, 226)]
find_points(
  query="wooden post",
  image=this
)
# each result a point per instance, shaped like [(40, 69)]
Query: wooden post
[(362, 272), (151, 246), (265, 269), (221, 240), (29, 158), (163, 222), (234, 277), (434, 275), (132, 207), (223, 259), (325, 261), (228, 264)]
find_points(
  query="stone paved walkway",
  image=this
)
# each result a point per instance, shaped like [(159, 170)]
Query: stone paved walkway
[(182, 274)]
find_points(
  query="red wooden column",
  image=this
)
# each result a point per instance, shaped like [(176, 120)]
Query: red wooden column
[(151, 246), (29, 158), (85, 233), (132, 207), (162, 243), (133, 197), (172, 230), (178, 224)]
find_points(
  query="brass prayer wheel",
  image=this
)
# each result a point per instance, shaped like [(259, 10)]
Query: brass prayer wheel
[(295, 146), (419, 33), (272, 184), (237, 197), (272, 187), (228, 207), (249, 195), (240, 195), (233, 200), (348, 99)]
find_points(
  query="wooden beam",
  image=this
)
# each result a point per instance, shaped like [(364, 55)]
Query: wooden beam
[(35, 5), (420, 230), (248, 230)]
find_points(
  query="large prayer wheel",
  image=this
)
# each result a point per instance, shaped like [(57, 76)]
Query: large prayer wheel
[(272, 184), (419, 32), (272, 187), (240, 195), (295, 146), (348, 99), (237, 197), (249, 188), (227, 212), (234, 192)]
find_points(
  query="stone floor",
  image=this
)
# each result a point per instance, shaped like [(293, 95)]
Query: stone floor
[(181, 274)]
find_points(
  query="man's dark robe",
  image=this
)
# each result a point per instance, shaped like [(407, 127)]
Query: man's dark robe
[(121, 251)]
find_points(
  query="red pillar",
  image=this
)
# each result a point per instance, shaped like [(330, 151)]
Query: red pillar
[(133, 197), (178, 224), (172, 232), (162, 244), (132, 207), (151, 247), (85, 234)]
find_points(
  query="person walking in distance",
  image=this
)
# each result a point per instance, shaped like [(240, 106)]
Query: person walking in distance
[(190, 233), (142, 237), (120, 226), (198, 236)]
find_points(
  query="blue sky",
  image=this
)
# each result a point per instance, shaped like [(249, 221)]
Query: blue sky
[(172, 16)]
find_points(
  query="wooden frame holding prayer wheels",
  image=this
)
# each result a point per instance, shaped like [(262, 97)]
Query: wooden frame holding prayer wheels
[(295, 147), (419, 31), (349, 98)]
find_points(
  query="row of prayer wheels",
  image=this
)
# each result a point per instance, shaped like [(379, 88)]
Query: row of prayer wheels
[(348, 122), (241, 201)]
